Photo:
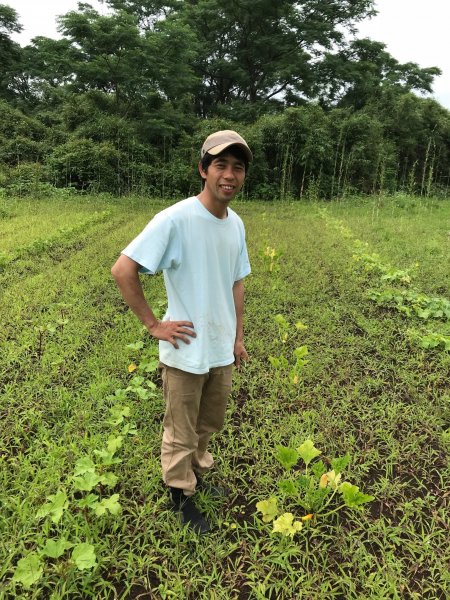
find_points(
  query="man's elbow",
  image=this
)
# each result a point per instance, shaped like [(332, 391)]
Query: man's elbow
[(123, 267), (115, 271)]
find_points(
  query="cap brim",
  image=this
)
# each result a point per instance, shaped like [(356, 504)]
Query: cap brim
[(221, 147)]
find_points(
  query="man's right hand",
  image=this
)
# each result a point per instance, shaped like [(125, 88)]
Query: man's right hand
[(172, 331)]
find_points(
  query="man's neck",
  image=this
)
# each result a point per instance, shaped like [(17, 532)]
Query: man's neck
[(218, 209)]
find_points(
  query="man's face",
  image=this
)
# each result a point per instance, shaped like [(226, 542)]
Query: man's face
[(224, 178)]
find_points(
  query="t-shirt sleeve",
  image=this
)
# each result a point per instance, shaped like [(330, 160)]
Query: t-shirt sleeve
[(156, 247), (243, 264)]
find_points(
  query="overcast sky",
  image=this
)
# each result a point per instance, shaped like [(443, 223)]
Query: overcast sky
[(413, 30)]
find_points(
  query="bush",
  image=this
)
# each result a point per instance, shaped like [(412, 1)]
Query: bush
[(27, 179), (86, 165)]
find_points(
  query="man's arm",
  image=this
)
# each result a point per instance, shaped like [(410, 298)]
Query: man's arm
[(240, 353), (126, 273)]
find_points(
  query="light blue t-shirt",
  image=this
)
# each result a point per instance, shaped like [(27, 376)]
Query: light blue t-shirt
[(201, 257)]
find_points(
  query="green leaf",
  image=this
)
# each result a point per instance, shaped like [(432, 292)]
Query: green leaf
[(288, 487), (107, 458), (119, 395), (141, 392), (352, 496), (86, 482), (84, 557), (110, 504), (56, 548), (339, 464), (281, 322), (318, 469), (288, 457), (301, 352), (308, 451), (88, 501), (149, 366), (84, 465), (118, 413), (28, 570), (304, 482), (278, 362), (135, 346), (114, 443), (294, 375), (108, 479), (55, 508), (129, 429), (429, 341), (268, 508)]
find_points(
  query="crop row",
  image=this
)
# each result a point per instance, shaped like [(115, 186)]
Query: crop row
[(409, 302), (62, 237)]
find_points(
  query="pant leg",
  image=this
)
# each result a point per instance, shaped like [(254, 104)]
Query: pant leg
[(211, 414), (182, 394)]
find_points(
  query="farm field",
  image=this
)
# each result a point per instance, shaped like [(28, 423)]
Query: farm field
[(348, 331)]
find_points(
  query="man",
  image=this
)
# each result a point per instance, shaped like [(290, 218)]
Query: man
[(199, 244)]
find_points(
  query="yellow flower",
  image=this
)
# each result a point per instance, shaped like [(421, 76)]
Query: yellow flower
[(333, 478), (307, 517), (132, 368), (323, 481)]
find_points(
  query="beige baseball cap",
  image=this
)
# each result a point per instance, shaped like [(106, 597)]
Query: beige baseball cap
[(220, 140)]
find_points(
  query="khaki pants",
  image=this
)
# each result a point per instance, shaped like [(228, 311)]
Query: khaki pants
[(195, 409)]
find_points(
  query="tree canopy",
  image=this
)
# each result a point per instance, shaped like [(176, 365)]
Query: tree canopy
[(147, 78)]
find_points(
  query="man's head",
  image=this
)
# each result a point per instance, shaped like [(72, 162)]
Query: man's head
[(221, 142), (225, 157)]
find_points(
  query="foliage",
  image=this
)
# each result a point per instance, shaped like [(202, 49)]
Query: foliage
[(313, 491), (122, 102), (409, 303), (279, 362), (88, 476), (357, 74), (10, 52)]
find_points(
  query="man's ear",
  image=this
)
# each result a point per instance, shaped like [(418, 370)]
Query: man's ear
[(201, 171)]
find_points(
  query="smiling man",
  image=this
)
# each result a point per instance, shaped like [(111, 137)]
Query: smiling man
[(199, 244)]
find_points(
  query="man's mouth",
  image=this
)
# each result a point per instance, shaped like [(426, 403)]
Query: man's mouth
[(228, 188)]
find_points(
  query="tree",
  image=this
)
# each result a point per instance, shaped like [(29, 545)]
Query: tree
[(106, 52), (357, 74), (260, 51), (10, 52)]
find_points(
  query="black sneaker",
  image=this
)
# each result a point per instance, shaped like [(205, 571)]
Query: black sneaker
[(190, 515)]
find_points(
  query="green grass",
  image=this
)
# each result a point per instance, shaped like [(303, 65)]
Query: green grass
[(369, 389)]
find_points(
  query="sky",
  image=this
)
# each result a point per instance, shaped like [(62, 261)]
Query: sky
[(413, 30)]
